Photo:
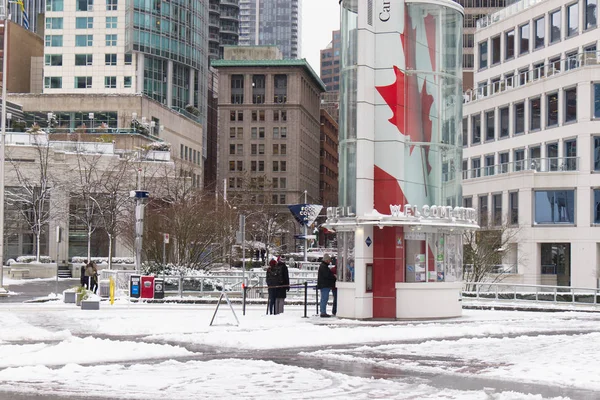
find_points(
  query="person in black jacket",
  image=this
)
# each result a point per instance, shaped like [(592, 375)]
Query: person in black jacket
[(325, 283), (82, 278), (284, 286), (273, 279)]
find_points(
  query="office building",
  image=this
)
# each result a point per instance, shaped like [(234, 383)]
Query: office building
[(531, 139), (24, 48), (330, 75), (224, 27), (272, 23)]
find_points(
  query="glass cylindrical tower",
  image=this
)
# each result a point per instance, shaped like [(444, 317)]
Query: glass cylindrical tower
[(399, 219)]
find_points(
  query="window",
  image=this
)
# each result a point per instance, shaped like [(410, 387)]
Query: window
[(552, 156), (519, 118), (538, 70), (110, 59), (552, 109), (254, 116), (535, 153), (503, 162), (110, 82), (54, 40), (232, 149), (127, 81), (572, 61), (283, 116), (275, 149), (261, 166), (83, 82), (254, 133), (282, 183), (519, 159), (483, 55), (571, 105), (83, 59), (496, 50), (572, 19), (54, 5), (261, 149), (570, 162), (504, 122), (84, 23), (283, 132), (497, 209), (84, 5), (261, 133), (253, 149), (54, 23), (282, 199), (275, 133), (84, 40), (258, 89), (237, 89), (483, 210), (128, 59), (535, 116), (54, 59), (53, 82), (524, 39), (283, 149), (231, 133), (231, 165), (596, 206), (475, 167), (275, 115), (490, 133), (555, 26), (591, 14), (509, 44), (240, 166), (261, 115), (465, 169), (465, 126), (540, 32), (489, 165), (468, 202), (111, 22), (111, 40), (275, 166), (476, 129), (513, 199), (523, 76), (554, 207), (280, 88), (240, 116), (111, 5), (283, 167), (239, 149)]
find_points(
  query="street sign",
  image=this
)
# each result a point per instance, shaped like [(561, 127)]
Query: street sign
[(368, 241), (307, 237), (139, 194), (166, 237)]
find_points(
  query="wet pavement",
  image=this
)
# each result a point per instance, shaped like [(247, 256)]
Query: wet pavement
[(29, 290)]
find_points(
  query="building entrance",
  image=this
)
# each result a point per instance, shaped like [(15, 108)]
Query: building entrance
[(556, 260)]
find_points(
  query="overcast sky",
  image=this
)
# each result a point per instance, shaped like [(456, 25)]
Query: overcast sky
[(319, 19)]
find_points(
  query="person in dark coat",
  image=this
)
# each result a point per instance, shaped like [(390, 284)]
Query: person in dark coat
[(284, 286), (82, 278), (325, 283), (273, 279)]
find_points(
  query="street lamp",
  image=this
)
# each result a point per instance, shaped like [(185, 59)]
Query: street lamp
[(3, 292)]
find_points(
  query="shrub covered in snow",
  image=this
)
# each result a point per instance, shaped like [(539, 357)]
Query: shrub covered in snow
[(104, 260), (158, 146), (31, 259)]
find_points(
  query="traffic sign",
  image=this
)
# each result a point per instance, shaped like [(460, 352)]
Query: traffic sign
[(307, 237)]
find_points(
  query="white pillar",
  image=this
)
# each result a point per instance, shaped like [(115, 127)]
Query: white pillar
[(170, 83), (191, 86), (139, 81)]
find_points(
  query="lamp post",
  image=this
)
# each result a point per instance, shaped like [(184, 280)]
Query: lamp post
[(3, 291)]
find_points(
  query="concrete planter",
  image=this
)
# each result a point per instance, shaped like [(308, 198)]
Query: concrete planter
[(69, 297), (90, 304)]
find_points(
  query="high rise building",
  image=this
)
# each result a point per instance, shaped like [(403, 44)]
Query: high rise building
[(271, 23), (531, 144), (330, 75), (155, 48), (223, 30)]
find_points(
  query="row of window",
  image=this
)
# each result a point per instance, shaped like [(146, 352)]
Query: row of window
[(258, 115), (501, 163), (189, 154), (80, 5), (492, 128), (257, 133), (277, 166), (259, 84), (256, 149), (85, 82), (80, 40), (80, 23), (543, 34), (550, 207), (276, 183), (111, 59)]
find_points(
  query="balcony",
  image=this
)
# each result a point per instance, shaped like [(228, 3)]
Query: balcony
[(235, 3), (542, 72), (552, 165)]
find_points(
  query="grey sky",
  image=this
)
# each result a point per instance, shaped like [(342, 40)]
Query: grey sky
[(319, 19)]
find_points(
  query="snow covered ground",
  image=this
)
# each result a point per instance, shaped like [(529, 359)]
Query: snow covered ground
[(152, 351)]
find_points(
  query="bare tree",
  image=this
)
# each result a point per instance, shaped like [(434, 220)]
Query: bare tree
[(486, 254), (35, 187)]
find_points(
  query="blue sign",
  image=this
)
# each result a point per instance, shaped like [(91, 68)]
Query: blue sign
[(305, 214), (368, 241), (142, 194)]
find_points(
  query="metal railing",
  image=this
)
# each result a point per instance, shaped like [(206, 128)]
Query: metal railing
[(524, 292), (550, 69), (553, 164), (496, 269), (507, 12)]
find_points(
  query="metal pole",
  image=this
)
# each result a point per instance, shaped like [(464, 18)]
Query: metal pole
[(243, 232), (3, 292), (305, 299), (164, 252), (305, 233)]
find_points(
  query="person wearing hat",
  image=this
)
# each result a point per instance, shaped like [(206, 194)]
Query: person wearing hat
[(273, 278), (325, 283)]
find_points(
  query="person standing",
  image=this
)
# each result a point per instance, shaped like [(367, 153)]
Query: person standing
[(82, 278), (94, 277), (325, 283), (284, 285), (273, 279), (89, 273)]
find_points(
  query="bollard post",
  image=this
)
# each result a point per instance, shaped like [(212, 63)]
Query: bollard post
[(244, 300), (317, 296), (305, 298), (180, 286)]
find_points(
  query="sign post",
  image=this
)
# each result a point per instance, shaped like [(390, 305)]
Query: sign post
[(58, 240), (140, 196), (165, 242), (305, 214)]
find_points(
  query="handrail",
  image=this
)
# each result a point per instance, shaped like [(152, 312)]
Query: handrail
[(507, 12), (552, 164), (542, 293), (548, 70)]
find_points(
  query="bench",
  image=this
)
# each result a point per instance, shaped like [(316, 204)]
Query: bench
[(19, 273)]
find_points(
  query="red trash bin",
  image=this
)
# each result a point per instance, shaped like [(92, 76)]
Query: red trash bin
[(147, 287)]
